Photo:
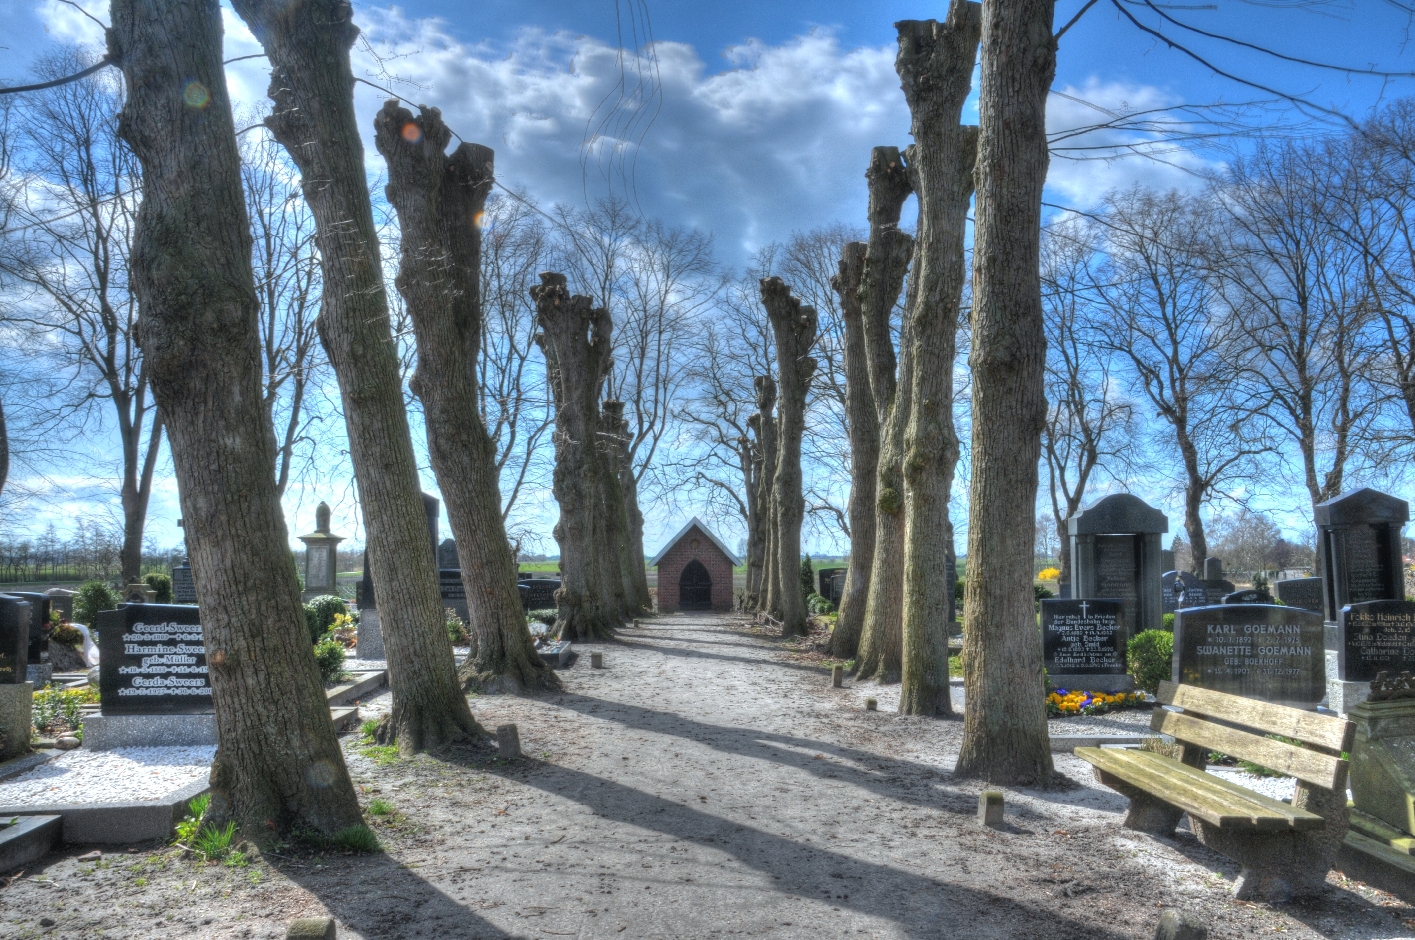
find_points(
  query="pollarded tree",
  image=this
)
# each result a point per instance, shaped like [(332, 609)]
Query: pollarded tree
[(864, 454), (613, 449), (278, 765), (935, 65), (576, 340), (312, 87), (439, 199), (795, 327), (1004, 728), (763, 424)]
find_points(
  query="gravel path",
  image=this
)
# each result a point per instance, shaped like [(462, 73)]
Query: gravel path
[(708, 783), (119, 775)]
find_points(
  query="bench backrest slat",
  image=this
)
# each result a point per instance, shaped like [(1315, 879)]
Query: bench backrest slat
[(1316, 768), (1324, 732)]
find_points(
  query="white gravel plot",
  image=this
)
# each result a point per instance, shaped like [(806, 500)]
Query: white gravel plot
[(117, 776), (1279, 788)]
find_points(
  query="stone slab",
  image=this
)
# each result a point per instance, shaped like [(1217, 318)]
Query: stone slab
[(15, 615), (117, 823), (1083, 637), (1380, 866), (16, 717), (369, 645), (153, 660), (106, 732), (1091, 683), (1305, 593), (27, 838), (39, 674), (362, 684), (26, 762), (557, 654)]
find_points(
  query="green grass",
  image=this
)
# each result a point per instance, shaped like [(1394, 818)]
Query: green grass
[(214, 844), (955, 667), (382, 755), (356, 839), (380, 808)]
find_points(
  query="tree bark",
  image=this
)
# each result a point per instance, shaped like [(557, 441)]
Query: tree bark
[(765, 387), (576, 340), (278, 765), (935, 66), (794, 325), (611, 447), (438, 199), (1004, 732), (311, 86), (4, 449), (637, 585), (135, 497), (864, 456), (749, 457)]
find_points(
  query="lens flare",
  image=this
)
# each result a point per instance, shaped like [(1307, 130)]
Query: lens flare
[(196, 95), (412, 133), (320, 774), (479, 220), (218, 657)]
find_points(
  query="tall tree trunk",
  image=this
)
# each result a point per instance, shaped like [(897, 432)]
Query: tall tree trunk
[(750, 459), (278, 761), (935, 66), (1005, 726), (4, 449), (869, 371), (864, 454), (576, 339), (794, 326), (611, 447), (136, 495), (639, 598), (765, 388), (438, 200), (312, 88)]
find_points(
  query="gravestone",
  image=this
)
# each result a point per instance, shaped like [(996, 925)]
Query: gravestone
[(1359, 537), (1249, 596), (454, 595), (538, 593), (15, 614), (139, 593), (1263, 651), (1172, 585), (1115, 554), (184, 589), (825, 578), (1167, 559), (1084, 645), (40, 606), (321, 557), (1305, 593), (152, 661), (447, 555), (1376, 637)]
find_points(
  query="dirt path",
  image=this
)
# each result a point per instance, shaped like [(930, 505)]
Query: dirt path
[(706, 783)]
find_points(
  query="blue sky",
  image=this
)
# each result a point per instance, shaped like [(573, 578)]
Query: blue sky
[(764, 113)]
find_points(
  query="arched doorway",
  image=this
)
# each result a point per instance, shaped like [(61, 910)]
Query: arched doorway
[(694, 587)]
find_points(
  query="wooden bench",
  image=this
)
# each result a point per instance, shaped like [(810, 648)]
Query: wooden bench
[(1285, 849)]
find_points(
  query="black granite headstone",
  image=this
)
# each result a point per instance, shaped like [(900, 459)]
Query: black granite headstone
[(39, 607), (14, 638), (1118, 570), (1085, 637), (454, 595), (447, 555), (1263, 651), (152, 661), (1249, 596), (825, 579), (1360, 546), (1169, 591), (184, 589), (1305, 593), (1377, 636), (538, 593)]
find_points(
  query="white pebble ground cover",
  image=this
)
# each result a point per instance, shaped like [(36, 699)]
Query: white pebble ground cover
[(120, 775)]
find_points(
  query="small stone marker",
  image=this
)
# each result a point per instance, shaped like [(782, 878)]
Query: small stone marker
[(837, 676), (311, 928), (1181, 925), (67, 743), (990, 806), (184, 589), (596, 660), (508, 741), (636, 624), (1249, 596), (871, 704)]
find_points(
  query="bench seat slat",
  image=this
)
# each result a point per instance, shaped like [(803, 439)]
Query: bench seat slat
[(1196, 796), (1299, 819), (1318, 769), (1323, 731)]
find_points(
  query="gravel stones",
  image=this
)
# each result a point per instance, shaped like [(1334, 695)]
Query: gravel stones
[(125, 774)]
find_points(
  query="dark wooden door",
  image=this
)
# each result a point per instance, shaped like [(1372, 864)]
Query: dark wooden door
[(695, 587)]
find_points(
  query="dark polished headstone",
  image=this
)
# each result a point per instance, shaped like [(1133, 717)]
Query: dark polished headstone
[(825, 584), (1115, 554), (1248, 596), (152, 661), (1263, 651), (538, 593), (15, 616), (1376, 636), (1085, 637), (184, 589), (447, 555), (454, 595), (1360, 543), (1305, 593), (39, 607)]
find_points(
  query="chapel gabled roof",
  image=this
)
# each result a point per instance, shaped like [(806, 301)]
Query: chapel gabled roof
[(702, 526)]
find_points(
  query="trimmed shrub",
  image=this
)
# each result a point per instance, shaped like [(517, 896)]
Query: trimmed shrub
[(320, 613), (162, 584), (456, 629), (94, 596), (818, 606), (546, 616), (1151, 653), (1168, 621), (329, 653)]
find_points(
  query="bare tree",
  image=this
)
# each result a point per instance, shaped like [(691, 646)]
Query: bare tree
[(313, 119), (1166, 319), (278, 766), (1087, 419), (1004, 731), (69, 251)]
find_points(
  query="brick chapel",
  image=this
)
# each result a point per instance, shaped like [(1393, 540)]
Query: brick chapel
[(694, 571)]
